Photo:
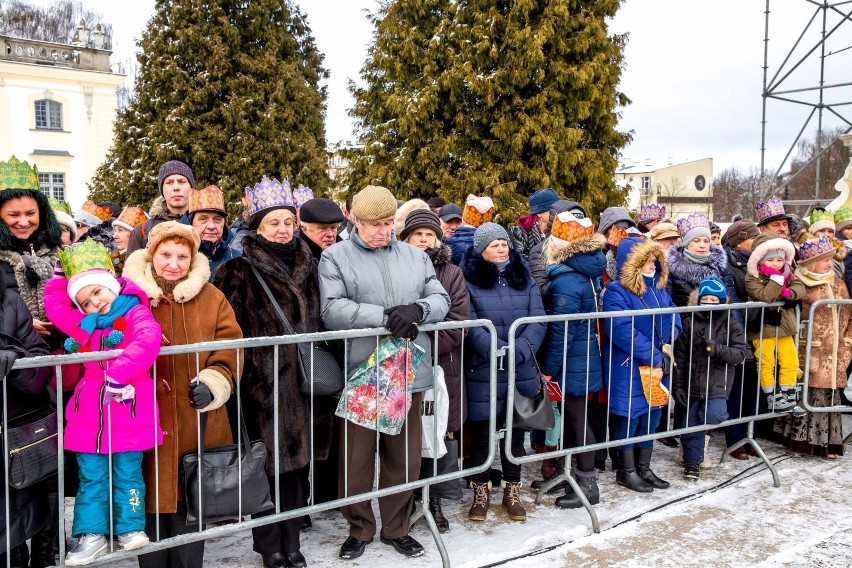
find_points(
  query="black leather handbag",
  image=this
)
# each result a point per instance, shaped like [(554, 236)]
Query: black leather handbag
[(225, 482), (320, 374), (33, 447), (534, 413)]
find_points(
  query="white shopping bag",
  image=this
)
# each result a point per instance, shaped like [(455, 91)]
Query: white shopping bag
[(435, 409)]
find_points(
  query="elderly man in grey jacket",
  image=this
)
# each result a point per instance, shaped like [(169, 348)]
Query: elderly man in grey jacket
[(373, 280)]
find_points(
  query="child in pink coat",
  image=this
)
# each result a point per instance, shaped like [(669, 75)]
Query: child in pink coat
[(112, 412)]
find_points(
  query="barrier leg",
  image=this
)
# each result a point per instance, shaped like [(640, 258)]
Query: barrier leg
[(426, 514), (749, 439), (559, 478), (847, 439)]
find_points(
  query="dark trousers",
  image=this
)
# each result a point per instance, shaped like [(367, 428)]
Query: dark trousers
[(577, 431), (478, 432), (744, 400), (396, 466), (598, 414), (283, 536), (623, 427), (172, 524)]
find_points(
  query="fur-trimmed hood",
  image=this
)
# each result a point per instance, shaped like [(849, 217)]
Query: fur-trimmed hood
[(158, 207), (683, 269), (139, 268), (485, 274), (633, 253), (765, 242), (562, 252)]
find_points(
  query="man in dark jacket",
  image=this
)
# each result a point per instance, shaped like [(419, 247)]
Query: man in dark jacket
[(174, 179), (373, 280), (319, 219)]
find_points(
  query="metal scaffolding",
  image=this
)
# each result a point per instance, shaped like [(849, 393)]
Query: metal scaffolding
[(824, 100)]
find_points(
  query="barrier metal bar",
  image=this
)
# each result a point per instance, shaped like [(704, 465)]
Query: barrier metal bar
[(566, 453), (247, 343), (806, 403)]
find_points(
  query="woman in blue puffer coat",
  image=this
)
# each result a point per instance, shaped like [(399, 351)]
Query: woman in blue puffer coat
[(571, 355), (632, 342), (501, 290)]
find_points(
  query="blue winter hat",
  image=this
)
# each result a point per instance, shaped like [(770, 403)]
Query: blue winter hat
[(486, 233), (712, 286), (541, 200)]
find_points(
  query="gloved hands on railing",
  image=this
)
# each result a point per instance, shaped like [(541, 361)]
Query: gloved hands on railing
[(199, 395), (119, 392), (402, 320)]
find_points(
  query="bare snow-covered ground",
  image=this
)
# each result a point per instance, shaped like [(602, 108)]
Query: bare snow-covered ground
[(733, 516)]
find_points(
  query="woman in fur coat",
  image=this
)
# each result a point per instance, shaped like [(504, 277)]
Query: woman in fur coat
[(423, 230), (289, 269), (501, 290), (174, 276)]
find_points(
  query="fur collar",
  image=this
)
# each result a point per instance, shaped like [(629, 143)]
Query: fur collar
[(441, 255), (557, 254), (631, 270), (269, 265), (158, 207), (683, 269), (484, 274), (140, 269)]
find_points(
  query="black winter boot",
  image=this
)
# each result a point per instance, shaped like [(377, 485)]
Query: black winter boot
[(45, 544), (440, 520), (589, 487), (626, 475), (643, 467)]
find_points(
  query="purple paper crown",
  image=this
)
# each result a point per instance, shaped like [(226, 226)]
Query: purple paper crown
[(302, 194), (691, 222), (269, 193), (773, 208), (810, 250), (652, 212)]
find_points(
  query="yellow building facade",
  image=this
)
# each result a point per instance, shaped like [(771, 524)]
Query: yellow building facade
[(57, 109), (682, 187)]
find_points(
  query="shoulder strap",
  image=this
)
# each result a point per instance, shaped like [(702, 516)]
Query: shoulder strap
[(655, 326), (287, 327)]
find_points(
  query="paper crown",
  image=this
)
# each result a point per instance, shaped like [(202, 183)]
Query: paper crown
[(566, 227), (269, 193), (302, 194), (59, 205), (130, 218), (102, 212), (652, 212), (84, 256), (772, 210), (477, 210), (814, 250), (821, 219), (210, 198), (16, 174), (843, 218), (691, 222)]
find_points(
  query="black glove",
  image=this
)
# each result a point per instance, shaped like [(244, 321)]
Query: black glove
[(680, 397), (200, 396), (7, 359), (402, 320)]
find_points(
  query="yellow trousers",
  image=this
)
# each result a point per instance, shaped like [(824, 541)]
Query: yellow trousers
[(784, 348)]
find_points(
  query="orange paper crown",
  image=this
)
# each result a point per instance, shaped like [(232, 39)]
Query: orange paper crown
[(130, 218), (477, 210), (568, 228), (208, 199), (101, 212)]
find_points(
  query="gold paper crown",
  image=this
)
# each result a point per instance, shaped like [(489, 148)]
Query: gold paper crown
[(209, 198), (16, 174), (87, 255), (102, 212), (131, 217), (569, 228)]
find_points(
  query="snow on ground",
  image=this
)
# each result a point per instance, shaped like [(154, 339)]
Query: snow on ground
[(806, 522)]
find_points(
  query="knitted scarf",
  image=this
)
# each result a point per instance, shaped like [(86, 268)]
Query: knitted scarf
[(120, 306)]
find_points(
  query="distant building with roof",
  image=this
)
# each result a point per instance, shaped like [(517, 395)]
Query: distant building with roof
[(683, 187)]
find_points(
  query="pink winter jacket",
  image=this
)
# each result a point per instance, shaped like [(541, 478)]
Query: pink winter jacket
[(94, 427)]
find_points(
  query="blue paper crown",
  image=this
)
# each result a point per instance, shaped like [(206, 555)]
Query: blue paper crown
[(269, 193)]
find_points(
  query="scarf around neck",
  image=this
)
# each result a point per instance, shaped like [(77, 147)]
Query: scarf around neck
[(120, 306), (697, 258)]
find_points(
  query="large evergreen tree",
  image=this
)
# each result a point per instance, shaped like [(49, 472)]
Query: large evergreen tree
[(231, 87), (493, 97)]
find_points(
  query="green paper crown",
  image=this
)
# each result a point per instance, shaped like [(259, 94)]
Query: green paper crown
[(843, 214), (16, 174), (84, 256), (59, 205), (822, 215)]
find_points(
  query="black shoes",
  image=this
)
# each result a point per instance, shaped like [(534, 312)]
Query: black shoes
[(353, 548), (643, 468), (626, 475), (405, 545), (294, 560), (274, 560), (691, 472), (589, 487), (440, 520)]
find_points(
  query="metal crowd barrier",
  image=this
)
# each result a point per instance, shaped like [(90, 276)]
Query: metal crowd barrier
[(563, 451), (242, 345)]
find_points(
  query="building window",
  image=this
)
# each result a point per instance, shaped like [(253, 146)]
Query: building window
[(48, 115), (646, 184), (53, 185)]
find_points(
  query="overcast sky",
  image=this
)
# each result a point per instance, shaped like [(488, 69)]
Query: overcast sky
[(693, 71)]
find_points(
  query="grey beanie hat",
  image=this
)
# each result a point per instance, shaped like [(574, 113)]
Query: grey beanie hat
[(562, 206), (611, 216), (171, 168), (486, 233)]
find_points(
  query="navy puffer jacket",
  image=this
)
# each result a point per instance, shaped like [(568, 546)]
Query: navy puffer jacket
[(461, 240), (502, 297), (574, 272)]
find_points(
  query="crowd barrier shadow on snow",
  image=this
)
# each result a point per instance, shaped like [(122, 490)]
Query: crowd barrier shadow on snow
[(586, 326), (274, 344)]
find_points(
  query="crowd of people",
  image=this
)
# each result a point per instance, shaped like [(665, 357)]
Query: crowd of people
[(110, 277)]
